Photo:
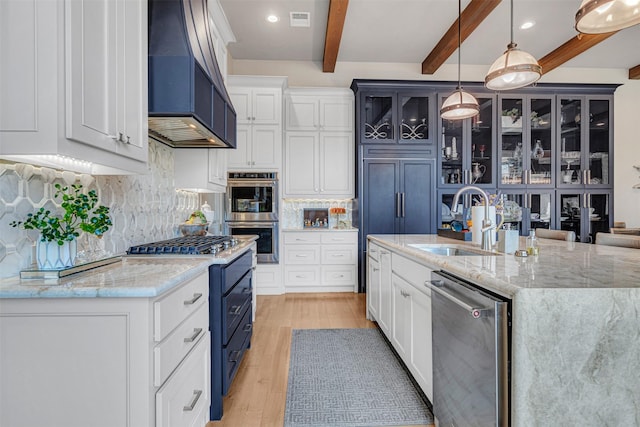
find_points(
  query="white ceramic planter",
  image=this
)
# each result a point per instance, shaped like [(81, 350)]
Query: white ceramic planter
[(52, 256)]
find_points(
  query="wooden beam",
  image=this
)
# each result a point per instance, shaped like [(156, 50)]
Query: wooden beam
[(470, 18), (569, 50), (335, 24), (634, 73)]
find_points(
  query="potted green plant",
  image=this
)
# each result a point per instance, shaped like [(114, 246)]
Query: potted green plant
[(57, 246)]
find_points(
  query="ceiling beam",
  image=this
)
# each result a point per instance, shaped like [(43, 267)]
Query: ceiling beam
[(335, 24), (470, 18), (634, 73), (569, 50)]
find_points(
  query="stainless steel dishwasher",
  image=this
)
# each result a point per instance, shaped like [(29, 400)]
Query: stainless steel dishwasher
[(470, 354)]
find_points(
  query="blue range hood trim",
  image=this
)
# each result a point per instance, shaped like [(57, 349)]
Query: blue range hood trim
[(185, 80)]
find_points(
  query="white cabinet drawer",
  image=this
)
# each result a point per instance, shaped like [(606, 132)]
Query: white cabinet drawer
[(338, 275), (168, 354), (340, 237), (307, 275), (184, 400), (302, 238), (338, 254), (414, 273), (374, 251), (171, 310), (301, 254)]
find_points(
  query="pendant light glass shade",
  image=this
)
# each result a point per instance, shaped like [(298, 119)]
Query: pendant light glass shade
[(514, 69), (605, 16), (459, 105)]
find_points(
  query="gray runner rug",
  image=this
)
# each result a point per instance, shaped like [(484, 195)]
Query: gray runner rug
[(349, 378)]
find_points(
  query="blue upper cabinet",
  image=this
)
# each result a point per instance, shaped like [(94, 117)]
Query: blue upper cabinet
[(402, 115)]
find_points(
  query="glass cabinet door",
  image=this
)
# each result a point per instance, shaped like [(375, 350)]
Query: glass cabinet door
[(585, 213), (539, 208), (570, 209), (511, 140), (414, 119), (481, 149), (378, 119), (599, 142), (598, 211), (467, 150), (540, 141), (451, 152), (570, 164)]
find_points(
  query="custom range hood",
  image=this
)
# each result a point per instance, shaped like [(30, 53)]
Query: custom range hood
[(188, 103)]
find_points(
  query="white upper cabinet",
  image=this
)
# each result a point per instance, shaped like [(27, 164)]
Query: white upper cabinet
[(190, 165), (258, 105), (313, 110), (77, 70)]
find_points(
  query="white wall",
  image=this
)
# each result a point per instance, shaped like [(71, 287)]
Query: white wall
[(626, 105)]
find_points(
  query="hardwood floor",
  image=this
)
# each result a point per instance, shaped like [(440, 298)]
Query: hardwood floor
[(257, 395)]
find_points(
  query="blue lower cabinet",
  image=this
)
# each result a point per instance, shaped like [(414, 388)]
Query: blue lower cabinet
[(230, 324)]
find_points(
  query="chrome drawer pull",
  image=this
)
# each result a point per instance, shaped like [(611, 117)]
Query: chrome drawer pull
[(301, 255), (247, 327), (338, 255), (195, 298), (196, 333), (235, 309), (194, 401), (233, 356)]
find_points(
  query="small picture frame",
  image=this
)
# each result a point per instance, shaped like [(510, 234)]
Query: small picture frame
[(315, 218)]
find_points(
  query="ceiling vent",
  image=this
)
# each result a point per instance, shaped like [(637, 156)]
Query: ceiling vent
[(299, 19)]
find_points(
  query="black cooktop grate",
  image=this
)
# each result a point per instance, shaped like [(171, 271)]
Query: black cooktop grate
[(187, 245)]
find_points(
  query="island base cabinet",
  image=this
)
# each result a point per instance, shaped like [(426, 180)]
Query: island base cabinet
[(107, 362), (182, 401), (66, 365)]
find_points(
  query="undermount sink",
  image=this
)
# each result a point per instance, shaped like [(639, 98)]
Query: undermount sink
[(451, 250)]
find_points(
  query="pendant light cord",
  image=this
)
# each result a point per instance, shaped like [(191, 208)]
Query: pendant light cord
[(511, 21), (459, 44)]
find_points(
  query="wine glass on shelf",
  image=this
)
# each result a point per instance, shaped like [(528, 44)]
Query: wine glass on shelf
[(473, 150), (482, 148)]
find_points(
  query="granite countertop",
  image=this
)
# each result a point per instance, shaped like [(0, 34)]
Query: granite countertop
[(560, 264), (132, 276)]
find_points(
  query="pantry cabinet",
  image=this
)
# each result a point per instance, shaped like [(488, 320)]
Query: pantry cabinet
[(74, 85), (318, 165), (258, 104), (319, 143)]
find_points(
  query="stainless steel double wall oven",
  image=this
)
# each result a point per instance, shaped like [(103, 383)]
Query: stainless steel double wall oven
[(251, 207)]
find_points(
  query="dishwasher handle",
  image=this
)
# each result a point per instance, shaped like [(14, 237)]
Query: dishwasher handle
[(475, 312)]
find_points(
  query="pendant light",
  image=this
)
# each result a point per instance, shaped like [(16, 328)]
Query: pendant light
[(605, 16), (514, 69), (460, 104)]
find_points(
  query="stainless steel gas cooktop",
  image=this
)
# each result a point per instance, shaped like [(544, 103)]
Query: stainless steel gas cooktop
[(187, 245)]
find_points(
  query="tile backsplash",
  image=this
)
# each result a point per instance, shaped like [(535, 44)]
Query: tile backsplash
[(143, 208)]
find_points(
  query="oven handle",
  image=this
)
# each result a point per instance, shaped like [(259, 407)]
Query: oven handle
[(252, 183), (253, 224)]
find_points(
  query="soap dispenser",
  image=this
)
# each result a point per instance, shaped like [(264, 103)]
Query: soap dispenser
[(532, 243)]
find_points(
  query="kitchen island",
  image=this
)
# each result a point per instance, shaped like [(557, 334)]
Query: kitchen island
[(133, 343), (575, 352)]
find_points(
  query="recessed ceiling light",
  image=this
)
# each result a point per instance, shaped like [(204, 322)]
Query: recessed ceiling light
[(528, 24), (273, 18)]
